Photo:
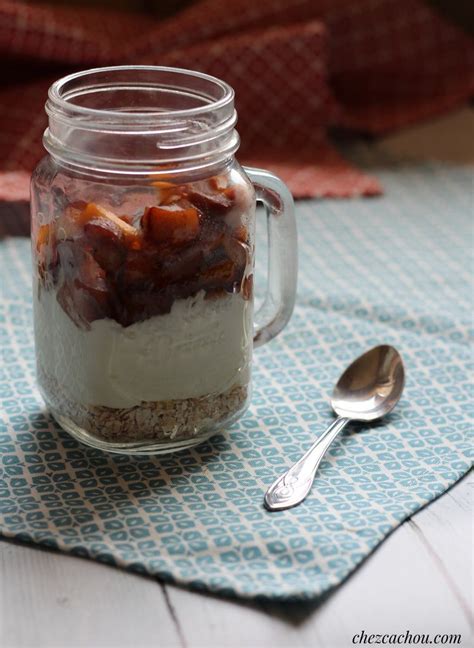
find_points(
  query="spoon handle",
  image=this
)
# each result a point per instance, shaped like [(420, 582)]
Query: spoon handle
[(292, 487)]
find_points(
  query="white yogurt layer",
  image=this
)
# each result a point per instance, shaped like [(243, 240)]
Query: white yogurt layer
[(201, 347)]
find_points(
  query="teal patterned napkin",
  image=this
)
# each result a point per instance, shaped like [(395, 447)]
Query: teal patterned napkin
[(389, 270)]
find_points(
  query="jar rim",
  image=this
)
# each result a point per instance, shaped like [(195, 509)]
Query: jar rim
[(140, 117), (62, 100)]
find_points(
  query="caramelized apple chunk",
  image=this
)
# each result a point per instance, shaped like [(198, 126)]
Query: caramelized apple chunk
[(110, 236), (93, 211), (218, 182), (179, 268), (98, 230), (139, 270), (212, 203), (172, 224), (225, 274), (43, 237), (85, 294), (46, 250), (241, 234), (236, 251)]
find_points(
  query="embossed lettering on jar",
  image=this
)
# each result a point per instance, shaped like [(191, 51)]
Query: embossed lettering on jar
[(143, 246)]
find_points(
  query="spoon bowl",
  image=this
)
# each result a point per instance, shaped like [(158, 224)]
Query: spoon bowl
[(371, 386)]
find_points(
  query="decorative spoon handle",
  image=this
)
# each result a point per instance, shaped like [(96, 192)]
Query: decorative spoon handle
[(292, 487)]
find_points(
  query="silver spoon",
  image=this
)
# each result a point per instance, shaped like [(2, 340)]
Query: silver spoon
[(367, 390)]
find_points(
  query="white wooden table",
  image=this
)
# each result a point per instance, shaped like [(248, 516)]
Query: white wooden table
[(420, 579)]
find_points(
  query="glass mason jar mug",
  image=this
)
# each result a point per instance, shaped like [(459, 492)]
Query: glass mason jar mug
[(143, 229)]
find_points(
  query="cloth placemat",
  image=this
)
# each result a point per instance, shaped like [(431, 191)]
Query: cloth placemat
[(388, 270)]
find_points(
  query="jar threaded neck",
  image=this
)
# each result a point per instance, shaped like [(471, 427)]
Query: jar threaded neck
[(140, 119)]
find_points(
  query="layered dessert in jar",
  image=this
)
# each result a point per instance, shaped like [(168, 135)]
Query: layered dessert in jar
[(143, 309)]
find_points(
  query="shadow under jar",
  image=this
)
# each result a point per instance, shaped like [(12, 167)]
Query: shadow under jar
[(143, 254)]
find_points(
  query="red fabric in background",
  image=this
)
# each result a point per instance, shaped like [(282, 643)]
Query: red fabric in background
[(298, 68)]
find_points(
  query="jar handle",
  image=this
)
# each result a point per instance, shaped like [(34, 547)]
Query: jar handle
[(280, 297)]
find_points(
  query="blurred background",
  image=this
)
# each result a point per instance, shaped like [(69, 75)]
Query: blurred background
[(313, 78), (461, 11)]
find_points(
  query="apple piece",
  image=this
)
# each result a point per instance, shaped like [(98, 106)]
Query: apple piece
[(241, 234), (222, 272), (110, 256), (237, 251), (85, 294), (67, 299), (218, 182), (169, 192), (220, 275), (107, 239), (43, 236), (226, 265), (81, 305), (99, 229), (172, 224), (127, 219), (93, 211), (91, 276), (227, 202), (78, 265), (163, 184), (110, 236), (177, 268), (211, 203), (46, 251), (139, 269)]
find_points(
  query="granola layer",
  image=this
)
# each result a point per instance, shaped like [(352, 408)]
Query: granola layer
[(150, 421)]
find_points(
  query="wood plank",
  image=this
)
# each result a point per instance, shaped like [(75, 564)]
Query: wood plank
[(50, 599), (446, 529)]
